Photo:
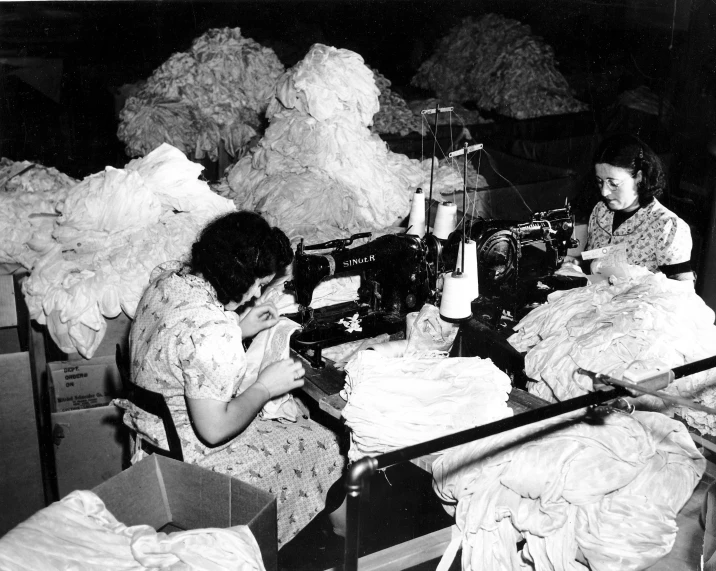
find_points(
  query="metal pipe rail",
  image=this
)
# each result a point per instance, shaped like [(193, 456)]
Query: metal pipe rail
[(366, 467)]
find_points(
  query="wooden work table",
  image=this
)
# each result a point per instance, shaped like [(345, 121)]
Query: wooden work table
[(323, 386)]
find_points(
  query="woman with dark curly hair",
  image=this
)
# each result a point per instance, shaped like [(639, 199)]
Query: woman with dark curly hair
[(186, 342), (630, 177)]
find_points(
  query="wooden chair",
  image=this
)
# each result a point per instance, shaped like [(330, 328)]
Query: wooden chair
[(152, 403)]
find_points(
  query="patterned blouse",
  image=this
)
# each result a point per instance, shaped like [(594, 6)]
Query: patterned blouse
[(654, 236)]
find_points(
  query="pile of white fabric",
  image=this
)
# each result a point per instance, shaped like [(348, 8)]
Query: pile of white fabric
[(497, 63), (645, 322), (215, 92), (114, 228), (79, 532), (395, 402), (571, 493), (319, 172), (29, 194)]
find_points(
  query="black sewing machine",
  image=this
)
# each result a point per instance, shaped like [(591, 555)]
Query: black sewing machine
[(515, 260), (394, 281)]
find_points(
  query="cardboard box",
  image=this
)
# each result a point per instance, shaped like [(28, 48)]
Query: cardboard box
[(174, 496), (90, 446), (84, 384), (21, 489)]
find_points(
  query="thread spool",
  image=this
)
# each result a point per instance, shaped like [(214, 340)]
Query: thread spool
[(455, 305), (470, 269), (445, 220), (416, 223)]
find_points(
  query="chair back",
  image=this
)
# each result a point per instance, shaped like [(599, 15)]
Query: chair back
[(151, 402)]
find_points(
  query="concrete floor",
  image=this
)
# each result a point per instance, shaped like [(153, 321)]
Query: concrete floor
[(401, 506)]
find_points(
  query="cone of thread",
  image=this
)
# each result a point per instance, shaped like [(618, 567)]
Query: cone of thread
[(416, 222), (470, 269)]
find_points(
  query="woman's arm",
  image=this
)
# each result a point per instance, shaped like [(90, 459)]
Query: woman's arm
[(217, 421), (674, 251)]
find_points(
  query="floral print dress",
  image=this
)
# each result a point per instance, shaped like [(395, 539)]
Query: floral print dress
[(653, 237), (183, 343)]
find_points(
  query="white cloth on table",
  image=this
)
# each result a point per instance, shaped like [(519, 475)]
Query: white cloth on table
[(602, 491), (394, 402), (644, 322)]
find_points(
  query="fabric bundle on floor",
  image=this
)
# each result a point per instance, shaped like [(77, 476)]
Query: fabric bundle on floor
[(114, 228), (394, 402), (78, 532), (571, 493), (318, 172), (643, 322), (29, 194), (215, 92)]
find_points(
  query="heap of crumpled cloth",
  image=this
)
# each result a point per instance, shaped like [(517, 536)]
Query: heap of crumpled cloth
[(585, 491), (114, 228), (395, 402), (214, 92), (29, 194), (394, 115), (500, 65), (319, 173), (79, 532), (642, 322)]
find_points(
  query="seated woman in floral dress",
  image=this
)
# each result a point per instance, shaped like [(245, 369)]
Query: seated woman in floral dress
[(187, 343)]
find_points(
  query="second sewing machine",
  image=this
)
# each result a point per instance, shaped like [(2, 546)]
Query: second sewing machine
[(399, 274)]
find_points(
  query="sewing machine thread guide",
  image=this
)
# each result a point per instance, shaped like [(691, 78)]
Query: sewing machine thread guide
[(437, 110), (477, 147)]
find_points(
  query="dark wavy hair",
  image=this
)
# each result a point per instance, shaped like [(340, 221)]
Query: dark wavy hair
[(235, 250), (631, 153)]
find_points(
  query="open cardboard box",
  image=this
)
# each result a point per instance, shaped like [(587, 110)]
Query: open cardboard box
[(174, 496)]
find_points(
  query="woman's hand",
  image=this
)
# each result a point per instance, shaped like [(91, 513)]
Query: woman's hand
[(258, 318), (281, 377)]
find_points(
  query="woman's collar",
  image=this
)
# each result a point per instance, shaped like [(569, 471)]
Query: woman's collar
[(199, 282)]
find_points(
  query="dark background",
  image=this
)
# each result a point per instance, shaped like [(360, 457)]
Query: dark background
[(603, 47)]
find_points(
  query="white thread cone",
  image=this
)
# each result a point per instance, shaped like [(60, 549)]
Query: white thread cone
[(470, 269), (455, 303), (445, 220), (416, 223)]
